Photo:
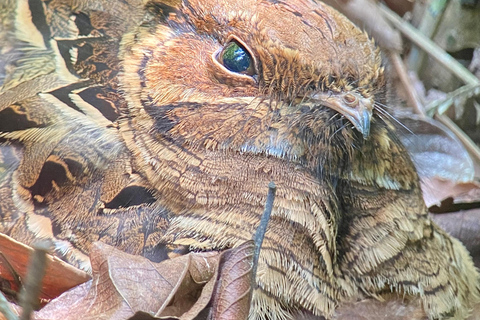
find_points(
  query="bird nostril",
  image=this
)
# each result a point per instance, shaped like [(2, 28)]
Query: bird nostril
[(350, 99)]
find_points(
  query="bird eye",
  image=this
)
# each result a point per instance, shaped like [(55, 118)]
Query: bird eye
[(237, 59)]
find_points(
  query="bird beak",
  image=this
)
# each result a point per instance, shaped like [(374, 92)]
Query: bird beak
[(356, 108)]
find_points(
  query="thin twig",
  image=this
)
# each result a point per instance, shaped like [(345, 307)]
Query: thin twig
[(262, 228), (430, 47), (448, 62), (6, 309), (29, 297), (412, 97), (431, 18), (440, 106)]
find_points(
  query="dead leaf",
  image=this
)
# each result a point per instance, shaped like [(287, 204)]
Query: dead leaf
[(125, 284), (132, 287), (443, 164), (195, 291), (446, 195), (435, 150), (232, 297), (465, 226), (59, 276)]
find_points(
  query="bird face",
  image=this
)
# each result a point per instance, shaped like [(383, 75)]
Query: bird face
[(283, 79), (217, 98)]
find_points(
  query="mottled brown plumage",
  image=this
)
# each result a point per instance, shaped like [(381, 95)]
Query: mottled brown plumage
[(121, 123)]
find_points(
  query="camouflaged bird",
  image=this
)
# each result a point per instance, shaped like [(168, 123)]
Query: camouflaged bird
[(149, 125)]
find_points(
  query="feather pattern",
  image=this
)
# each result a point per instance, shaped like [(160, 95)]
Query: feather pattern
[(118, 123)]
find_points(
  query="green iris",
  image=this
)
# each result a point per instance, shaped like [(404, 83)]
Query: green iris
[(235, 58)]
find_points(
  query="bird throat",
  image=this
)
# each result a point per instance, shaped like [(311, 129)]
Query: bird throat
[(305, 139)]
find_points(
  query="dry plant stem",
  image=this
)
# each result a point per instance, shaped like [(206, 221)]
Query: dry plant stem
[(414, 101), (465, 92), (430, 47), (412, 97), (36, 271), (444, 59), (262, 228), (5, 309), (431, 18)]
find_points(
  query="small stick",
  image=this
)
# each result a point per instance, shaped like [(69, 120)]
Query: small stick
[(447, 61), (412, 97), (430, 47), (5, 308), (29, 296), (262, 228), (442, 105), (431, 18)]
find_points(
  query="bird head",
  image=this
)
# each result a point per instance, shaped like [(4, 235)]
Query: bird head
[(272, 77)]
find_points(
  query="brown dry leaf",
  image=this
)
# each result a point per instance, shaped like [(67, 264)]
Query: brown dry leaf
[(231, 300), (435, 150), (444, 195), (59, 276), (195, 291), (444, 165), (465, 226), (131, 287), (125, 284)]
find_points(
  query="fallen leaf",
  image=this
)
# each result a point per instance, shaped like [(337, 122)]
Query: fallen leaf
[(465, 226), (231, 300), (125, 284), (435, 150), (446, 195), (195, 291), (59, 276), (443, 164)]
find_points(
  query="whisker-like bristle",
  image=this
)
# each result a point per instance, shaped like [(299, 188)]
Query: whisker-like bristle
[(381, 110)]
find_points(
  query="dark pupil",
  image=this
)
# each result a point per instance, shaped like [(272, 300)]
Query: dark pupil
[(235, 58)]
